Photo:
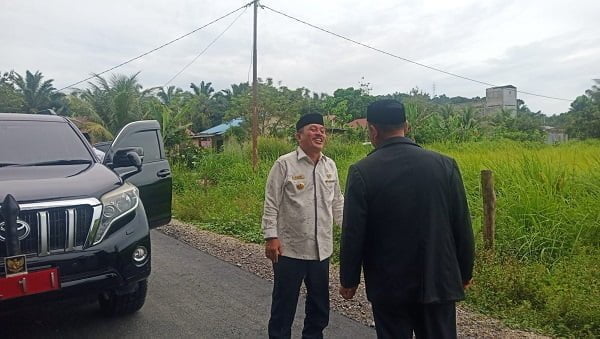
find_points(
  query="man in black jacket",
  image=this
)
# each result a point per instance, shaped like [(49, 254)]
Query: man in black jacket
[(406, 221)]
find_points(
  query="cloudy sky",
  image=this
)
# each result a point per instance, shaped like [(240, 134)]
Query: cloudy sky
[(547, 47)]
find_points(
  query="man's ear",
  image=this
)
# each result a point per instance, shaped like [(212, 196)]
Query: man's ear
[(407, 127), (373, 131)]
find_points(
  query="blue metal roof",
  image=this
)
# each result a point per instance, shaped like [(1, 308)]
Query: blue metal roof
[(222, 128)]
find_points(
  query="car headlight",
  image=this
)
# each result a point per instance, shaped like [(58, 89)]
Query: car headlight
[(115, 205)]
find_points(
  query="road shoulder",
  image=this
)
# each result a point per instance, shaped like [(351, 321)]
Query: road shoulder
[(250, 257)]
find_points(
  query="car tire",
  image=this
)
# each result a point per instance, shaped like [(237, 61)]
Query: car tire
[(113, 304)]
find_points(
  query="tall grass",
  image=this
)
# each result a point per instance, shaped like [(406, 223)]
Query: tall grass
[(546, 195), (544, 273)]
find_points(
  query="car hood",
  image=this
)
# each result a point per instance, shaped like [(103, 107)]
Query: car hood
[(62, 182)]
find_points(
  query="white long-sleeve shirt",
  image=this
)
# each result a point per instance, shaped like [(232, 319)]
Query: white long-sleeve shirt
[(302, 201)]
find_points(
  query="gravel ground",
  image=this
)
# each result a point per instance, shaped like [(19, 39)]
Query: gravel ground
[(250, 257)]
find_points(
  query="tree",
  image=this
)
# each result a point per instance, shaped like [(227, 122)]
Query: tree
[(170, 96), (349, 103), (205, 108), (446, 110), (173, 124), (278, 107), (97, 131), (204, 88), (583, 118), (118, 101), (594, 92), (10, 99), (425, 125), (38, 94), (236, 90), (462, 126)]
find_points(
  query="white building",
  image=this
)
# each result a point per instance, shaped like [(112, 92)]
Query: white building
[(502, 97)]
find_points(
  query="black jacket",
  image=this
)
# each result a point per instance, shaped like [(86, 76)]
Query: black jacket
[(406, 220)]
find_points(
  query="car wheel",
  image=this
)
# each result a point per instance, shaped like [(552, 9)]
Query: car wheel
[(113, 304)]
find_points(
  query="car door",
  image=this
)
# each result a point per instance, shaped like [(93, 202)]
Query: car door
[(154, 181)]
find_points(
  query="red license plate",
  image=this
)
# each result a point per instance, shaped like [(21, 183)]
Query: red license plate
[(29, 283)]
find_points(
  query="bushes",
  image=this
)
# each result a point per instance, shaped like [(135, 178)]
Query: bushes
[(563, 299)]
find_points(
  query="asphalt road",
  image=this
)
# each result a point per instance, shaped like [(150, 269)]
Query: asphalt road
[(191, 295)]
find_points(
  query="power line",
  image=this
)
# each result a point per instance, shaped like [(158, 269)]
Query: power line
[(157, 48), (402, 58), (206, 48)]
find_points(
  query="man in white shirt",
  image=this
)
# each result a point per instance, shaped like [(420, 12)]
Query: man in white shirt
[(302, 201)]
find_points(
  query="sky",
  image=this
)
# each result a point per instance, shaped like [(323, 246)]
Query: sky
[(546, 47)]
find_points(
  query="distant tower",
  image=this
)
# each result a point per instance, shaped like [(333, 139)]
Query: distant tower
[(433, 94), (502, 97)]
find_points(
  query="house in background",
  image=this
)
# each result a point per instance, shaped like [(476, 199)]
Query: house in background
[(333, 124), (214, 136), (555, 135), (361, 122)]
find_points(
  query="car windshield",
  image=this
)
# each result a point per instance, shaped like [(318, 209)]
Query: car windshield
[(40, 143)]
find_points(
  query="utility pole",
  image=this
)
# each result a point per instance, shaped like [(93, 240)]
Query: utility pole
[(254, 97)]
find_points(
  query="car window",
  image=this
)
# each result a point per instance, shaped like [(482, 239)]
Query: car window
[(23, 142), (148, 140)]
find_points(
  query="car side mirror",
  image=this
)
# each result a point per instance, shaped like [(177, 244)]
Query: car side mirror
[(128, 157)]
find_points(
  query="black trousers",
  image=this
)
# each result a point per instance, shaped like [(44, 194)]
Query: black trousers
[(425, 320), (289, 274)]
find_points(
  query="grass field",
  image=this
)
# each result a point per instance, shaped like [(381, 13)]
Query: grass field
[(544, 273)]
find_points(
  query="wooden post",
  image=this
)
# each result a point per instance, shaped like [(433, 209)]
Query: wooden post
[(489, 208)]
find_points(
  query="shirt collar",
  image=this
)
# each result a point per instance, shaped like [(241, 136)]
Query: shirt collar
[(301, 154), (393, 141)]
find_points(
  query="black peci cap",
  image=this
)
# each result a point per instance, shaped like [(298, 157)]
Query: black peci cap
[(386, 112), (307, 119)]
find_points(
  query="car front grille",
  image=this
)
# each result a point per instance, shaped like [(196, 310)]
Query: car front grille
[(54, 227)]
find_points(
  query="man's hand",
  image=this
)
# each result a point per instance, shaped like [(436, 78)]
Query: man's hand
[(273, 249), (348, 292), (467, 284)]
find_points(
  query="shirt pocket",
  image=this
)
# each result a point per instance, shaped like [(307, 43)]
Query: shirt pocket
[(296, 185), (328, 181)]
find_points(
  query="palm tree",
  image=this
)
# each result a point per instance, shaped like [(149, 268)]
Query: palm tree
[(241, 88), (117, 101), (468, 117), (446, 111), (167, 97), (38, 94), (173, 124), (206, 109), (236, 90), (204, 89)]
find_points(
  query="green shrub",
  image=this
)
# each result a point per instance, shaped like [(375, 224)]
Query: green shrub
[(563, 299)]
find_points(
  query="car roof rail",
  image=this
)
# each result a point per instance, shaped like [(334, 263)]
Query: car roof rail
[(48, 111)]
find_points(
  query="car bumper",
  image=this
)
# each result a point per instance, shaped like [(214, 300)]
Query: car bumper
[(108, 265)]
